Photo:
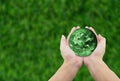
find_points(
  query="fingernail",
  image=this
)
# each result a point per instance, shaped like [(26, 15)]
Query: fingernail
[(86, 26), (73, 27), (91, 27), (63, 36), (100, 35), (78, 26)]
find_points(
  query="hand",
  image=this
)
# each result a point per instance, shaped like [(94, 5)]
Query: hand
[(98, 53), (71, 64), (67, 54), (96, 66)]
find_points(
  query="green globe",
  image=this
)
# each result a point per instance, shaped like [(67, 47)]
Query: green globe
[(83, 42)]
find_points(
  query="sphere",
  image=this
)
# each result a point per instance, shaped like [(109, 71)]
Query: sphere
[(83, 42)]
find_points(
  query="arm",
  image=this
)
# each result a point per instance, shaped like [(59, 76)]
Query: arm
[(66, 72), (71, 64), (98, 69)]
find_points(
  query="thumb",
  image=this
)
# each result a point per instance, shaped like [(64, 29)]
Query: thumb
[(63, 42), (102, 41)]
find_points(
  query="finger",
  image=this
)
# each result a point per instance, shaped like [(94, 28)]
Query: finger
[(63, 42), (99, 38), (72, 30), (102, 41), (78, 27), (92, 29), (86, 27)]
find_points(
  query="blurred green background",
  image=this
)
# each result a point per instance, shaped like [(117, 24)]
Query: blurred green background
[(30, 32)]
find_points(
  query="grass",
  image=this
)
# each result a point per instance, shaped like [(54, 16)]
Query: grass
[(30, 32)]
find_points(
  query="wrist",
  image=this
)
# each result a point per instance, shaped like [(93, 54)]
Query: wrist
[(73, 63), (91, 61)]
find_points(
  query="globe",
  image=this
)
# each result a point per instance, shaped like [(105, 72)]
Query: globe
[(83, 42)]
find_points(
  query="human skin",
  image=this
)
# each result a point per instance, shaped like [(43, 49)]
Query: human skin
[(98, 69), (71, 64), (94, 62)]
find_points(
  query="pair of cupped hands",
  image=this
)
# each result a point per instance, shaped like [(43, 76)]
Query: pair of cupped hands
[(70, 57)]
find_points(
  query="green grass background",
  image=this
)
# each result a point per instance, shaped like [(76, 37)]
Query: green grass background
[(30, 32)]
